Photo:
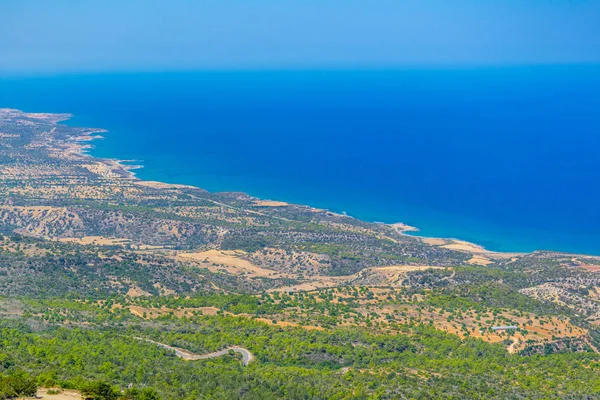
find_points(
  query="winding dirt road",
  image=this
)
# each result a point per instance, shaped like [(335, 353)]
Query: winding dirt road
[(247, 356)]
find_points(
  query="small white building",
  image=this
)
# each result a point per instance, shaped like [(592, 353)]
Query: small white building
[(504, 327)]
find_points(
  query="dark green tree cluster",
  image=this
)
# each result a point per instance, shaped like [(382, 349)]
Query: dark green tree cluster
[(17, 384)]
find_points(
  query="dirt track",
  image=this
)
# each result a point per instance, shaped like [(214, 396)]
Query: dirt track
[(247, 356)]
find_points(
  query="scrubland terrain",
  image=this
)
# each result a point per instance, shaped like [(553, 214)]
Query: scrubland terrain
[(96, 267)]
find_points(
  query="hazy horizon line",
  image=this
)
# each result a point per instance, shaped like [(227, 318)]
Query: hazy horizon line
[(289, 68)]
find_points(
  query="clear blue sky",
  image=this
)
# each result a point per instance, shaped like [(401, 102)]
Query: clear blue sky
[(122, 35)]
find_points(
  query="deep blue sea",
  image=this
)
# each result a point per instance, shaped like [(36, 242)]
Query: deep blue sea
[(505, 157)]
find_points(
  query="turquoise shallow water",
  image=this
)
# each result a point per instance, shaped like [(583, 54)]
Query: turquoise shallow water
[(504, 157)]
